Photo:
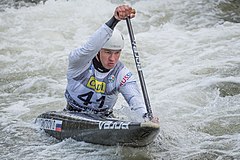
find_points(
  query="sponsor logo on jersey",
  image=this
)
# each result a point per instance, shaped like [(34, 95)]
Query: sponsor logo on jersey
[(113, 125), (96, 85), (125, 78), (111, 78)]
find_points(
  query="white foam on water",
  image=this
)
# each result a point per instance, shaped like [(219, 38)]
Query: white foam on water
[(190, 58)]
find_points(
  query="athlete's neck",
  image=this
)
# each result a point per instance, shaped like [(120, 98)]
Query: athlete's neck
[(98, 65)]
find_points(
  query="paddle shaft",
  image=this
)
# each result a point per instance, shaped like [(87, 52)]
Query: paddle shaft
[(139, 68)]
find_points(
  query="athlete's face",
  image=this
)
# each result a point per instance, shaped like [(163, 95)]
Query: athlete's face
[(109, 58)]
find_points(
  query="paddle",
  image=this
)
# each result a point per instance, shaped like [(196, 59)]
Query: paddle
[(139, 69)]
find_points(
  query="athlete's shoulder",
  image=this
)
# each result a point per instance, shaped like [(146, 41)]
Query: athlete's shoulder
[(124, 75)]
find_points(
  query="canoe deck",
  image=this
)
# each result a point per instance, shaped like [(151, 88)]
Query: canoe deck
[(93, 128)]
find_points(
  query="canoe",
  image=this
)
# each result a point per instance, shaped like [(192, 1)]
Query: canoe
[(96, 129)]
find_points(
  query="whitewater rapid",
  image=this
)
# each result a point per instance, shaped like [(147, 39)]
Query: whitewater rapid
[(190, 57)]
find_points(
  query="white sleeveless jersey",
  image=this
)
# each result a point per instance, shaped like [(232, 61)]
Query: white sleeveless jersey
[(88, 88)]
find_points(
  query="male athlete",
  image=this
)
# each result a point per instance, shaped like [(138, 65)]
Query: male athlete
[(95, 74)]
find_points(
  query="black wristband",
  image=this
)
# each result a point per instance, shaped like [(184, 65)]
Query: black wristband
[(112, 22)]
